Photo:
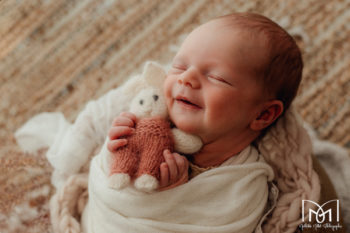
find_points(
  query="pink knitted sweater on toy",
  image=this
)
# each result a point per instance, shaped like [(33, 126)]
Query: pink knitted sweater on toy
[(144, 152)]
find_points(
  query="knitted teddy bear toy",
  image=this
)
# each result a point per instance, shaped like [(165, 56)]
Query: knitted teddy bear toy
[(142, 156)]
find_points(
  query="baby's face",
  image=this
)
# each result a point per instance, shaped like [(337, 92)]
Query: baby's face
[(211, 89)]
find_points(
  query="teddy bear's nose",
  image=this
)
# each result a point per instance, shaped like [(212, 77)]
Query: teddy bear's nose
[(155, 97)]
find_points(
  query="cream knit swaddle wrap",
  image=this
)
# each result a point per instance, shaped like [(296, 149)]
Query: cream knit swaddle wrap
[(288, 149)]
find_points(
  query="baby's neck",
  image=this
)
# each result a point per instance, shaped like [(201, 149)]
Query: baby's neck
[(216, 152)]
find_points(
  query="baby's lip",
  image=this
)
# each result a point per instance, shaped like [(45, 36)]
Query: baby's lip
[(186, 101)]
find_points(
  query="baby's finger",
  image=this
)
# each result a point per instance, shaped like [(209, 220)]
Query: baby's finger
[(123, 121), (129, 115), (115, 144), (182, 163), (164, 175), (120, 131), (173, 171)]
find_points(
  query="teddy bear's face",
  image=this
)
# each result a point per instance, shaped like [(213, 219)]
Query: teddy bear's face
[(149, 103)]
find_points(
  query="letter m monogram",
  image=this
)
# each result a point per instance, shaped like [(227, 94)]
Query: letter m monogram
[(319, 212)]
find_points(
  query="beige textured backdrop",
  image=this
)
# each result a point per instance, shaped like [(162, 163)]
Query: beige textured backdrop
[(55, 55)]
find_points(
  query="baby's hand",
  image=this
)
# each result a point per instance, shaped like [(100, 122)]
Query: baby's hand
[(123, 125), (174, 171)]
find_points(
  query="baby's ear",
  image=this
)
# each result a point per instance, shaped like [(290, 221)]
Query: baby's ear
[(270, 113), (154, 74)]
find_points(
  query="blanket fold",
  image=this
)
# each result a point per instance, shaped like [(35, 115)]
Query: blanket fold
[(230, 198)]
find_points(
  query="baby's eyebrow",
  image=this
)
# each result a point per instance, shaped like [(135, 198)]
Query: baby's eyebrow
[(179, 58), (176, 59)]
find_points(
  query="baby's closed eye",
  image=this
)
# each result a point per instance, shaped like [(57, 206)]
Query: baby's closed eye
[(178, 69), (218, 79)]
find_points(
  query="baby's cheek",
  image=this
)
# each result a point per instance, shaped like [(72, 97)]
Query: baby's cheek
[(216, 105), (167, 92), (167, 88), (168, 102)]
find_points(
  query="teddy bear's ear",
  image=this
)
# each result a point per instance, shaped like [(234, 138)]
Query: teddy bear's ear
[(154, 74), (133, 85)]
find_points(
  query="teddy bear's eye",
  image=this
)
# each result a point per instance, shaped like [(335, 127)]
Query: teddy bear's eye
[(141, 102), (155, 97)]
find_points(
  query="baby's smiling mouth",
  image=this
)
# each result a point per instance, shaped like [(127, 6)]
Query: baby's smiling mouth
[(185, 102)]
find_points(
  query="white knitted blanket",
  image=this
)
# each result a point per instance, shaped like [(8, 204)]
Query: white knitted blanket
[(230, 198)]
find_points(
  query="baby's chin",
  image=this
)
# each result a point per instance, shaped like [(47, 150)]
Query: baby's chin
[(184, 125)]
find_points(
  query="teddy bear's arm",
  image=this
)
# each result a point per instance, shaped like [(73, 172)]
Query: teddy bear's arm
[(186, 143)]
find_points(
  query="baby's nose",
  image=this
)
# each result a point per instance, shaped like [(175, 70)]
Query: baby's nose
[(190, 78)]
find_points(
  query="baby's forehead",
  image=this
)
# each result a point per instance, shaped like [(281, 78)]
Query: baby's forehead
[(248, 37), (225, 42), (250, 31)]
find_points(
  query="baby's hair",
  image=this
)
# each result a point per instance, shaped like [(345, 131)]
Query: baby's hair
[(282, 70)]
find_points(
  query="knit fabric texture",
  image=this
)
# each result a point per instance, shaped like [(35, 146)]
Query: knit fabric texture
[(57, 55), (144, 152), (195, 170)]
